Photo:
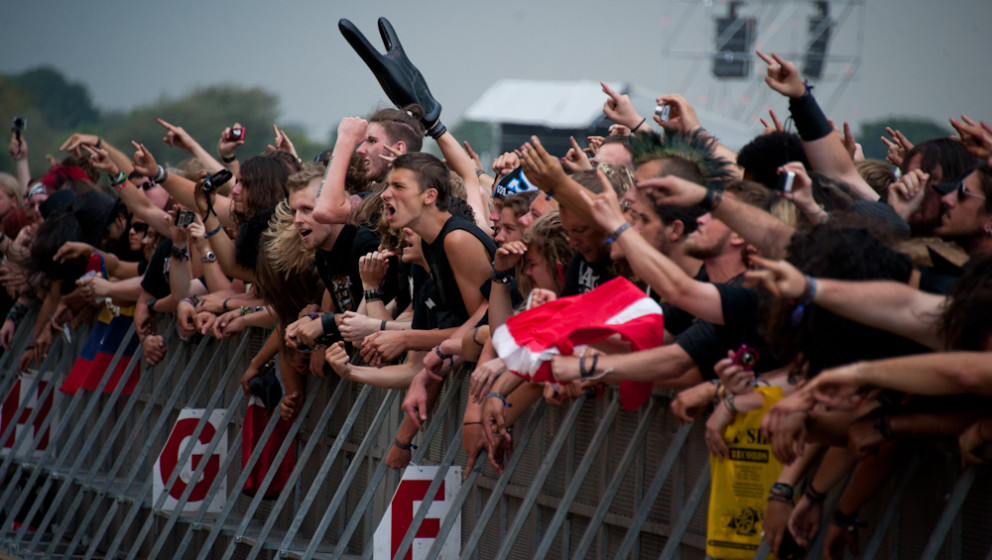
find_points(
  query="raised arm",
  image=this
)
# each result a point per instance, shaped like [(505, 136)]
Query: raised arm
[(332, 205), (133, 198), (823, 144), (177, 137), (459, 161)]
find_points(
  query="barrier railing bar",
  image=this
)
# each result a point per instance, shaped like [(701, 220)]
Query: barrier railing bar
[(100, 492), (92, 474), (950, 513), (892, 509), (53, 440), (56, 471), (482, 520), (325, 467), (674, 542), (154, 398), (19, 344), (456, 506), (215, 398), (232, 408), (547, 464), (301, 461), (449, 458), (580, 474), (641, 516), (360, 454), (161, 424), (425, 505)]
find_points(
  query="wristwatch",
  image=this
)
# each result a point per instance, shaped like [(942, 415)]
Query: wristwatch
[(208, 257)]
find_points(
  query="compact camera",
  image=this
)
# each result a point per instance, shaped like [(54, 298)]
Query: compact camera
[(211, 182), (20, 123), (184, 218), (236, 134), (786, 180), (662, 112), (746, 357)]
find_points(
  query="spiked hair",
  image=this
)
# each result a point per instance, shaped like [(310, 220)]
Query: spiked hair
[(693, 154)]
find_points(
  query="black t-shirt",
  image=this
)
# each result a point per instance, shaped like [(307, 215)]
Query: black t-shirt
[(677, 320), (156, 280), (451, 305), (582, 276), (707, 343), (338, 268)]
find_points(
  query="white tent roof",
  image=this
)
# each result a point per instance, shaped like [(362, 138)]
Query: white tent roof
[(576, 104)]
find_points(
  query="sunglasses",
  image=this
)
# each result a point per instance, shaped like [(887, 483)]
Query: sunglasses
[(957, 186), (140, 228)]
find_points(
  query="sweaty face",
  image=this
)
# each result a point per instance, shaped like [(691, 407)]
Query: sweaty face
[(372, 150), (585, 238), (709, 240), (301, 203), (964, 213)]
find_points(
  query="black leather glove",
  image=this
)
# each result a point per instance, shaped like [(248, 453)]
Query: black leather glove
[(399, 78)]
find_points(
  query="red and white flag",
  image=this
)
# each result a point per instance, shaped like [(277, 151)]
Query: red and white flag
[(527, 341)]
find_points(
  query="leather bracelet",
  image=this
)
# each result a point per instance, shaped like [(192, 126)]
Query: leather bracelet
[(502, 276), (812, 494), (232, 159), (782, 489), (587, 373), (404, 446), (500, 396), (224, 305), (382, 326)]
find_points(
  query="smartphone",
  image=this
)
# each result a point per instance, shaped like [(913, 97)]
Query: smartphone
[(236, 134), (746, 357), (20, 123), (786, 180), (662, 111), (184, 218)]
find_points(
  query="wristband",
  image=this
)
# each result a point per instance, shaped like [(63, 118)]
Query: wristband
[(500, 396), (232, 159), (475, 339), (587, 373), (224, 305), (404, 446), (813, 495), (117, 181), (782, 490), (804, 301), (180, 253), (712, 200), (471, 423), (643, 120), (728, 402), (162, 174), (502, 276), (189, 300), (151, 305), (210, 234), (616, 234), (330, 328), (443, 356), (437, 130), (811, 123), (382, 327), (373, 295)]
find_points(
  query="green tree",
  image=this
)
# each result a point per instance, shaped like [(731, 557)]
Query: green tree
[(915, 129), (56, 98)]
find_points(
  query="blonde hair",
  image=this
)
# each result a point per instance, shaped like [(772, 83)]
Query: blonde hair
[(9, 185)]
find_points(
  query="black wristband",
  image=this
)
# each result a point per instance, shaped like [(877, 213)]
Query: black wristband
[(232, 159), (373, 295), (811, 123), (502, 276), (712, 200), (404, 446), (437, 130)]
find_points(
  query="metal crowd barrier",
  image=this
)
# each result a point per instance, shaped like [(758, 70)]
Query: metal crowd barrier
[(585, 480)]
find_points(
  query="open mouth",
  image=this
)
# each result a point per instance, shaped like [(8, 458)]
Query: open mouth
[(390, 211), (304, 233)]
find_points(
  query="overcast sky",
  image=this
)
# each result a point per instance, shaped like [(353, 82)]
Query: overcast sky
[(917, 57)]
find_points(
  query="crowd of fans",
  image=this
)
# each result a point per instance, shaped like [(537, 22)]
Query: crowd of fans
[(861, 288)]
